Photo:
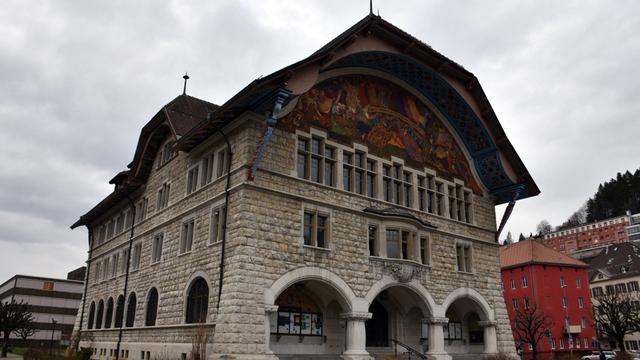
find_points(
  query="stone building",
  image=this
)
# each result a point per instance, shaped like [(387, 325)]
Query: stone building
[(351, 211)]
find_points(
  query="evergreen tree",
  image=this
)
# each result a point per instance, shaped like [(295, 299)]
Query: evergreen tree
[(615, 197)]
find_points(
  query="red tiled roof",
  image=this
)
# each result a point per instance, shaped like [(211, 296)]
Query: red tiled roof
[(532, 252)]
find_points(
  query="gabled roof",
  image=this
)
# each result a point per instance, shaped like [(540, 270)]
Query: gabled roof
[(617, 261), (174, 119), (531, 252)]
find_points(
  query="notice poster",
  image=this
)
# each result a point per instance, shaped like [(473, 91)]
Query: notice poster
[(273, 322), (305, 327), (283, 322), (295, 323), (316, 324)]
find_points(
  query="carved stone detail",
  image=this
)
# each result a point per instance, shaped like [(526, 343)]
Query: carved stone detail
[(403, 272)]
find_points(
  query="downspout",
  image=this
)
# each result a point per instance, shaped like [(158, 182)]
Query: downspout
[(86, 283), (224, 220), (507, 212), (126, 276)]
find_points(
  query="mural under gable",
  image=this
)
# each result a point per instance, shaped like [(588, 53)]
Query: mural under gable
[(385, 117)]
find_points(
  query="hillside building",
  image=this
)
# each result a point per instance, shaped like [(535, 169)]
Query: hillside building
[(584, 238), (337, 208)]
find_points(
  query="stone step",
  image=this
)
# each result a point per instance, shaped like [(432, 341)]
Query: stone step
[(308, 356)]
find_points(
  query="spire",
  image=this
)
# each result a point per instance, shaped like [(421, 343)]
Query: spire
[(370, 7), (185, 77)]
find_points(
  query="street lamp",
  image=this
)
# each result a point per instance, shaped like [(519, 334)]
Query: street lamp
[(565, 305)]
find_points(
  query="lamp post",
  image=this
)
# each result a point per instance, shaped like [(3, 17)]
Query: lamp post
[(565, 305)]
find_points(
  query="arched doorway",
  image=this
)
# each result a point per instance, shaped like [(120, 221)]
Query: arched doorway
[(308, 321), (399, 315), (465, 333)]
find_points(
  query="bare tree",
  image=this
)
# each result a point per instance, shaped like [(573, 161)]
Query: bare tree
[(13, 315), (26, 331), (617, 315), (530, 324), (543, 227)]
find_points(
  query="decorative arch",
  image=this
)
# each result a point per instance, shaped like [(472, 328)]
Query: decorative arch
[(197, 301), (99, 314), (473, 295), (92, 314), (108, 316), (132, 304), (429, 305), (347, 296), (119, 312), (151, 307)]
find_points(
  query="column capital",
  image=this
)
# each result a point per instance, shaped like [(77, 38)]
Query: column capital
[(270, 308), (488, 323), (356, 315), (438, 320)]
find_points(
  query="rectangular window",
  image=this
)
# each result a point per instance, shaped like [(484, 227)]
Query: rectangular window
[(561, 343), (207, 169), (633, 286), (192, 179), (580, 302), (114, 265), (111, 228), (393, 238), (163, 196), (464, 257), (583, 323), (120, 223), (578, 283), (610, 289), (186, 237), (373, 240), (347, 170), (553, 344), (125, 258), (621, 288), (371, 178), (526, 302), (216, 225), (96, 274), (302, 164), (223, 163), (386, 183), (135, 258), (525, 283), (564, 301), (105, 268), (156, 248), (425, 250), (315, 229), (514, 303), (406, 244), (562, 283), (316, 161)]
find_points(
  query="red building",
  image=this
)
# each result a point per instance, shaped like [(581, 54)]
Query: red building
[(587, 236), (559, 285)]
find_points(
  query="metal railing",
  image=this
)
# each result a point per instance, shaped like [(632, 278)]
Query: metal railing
[(410, 351)]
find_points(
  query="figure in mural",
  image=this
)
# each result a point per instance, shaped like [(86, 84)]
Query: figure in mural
[(385, 117)]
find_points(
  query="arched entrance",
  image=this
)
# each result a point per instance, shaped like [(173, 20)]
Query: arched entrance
[(398, 315)]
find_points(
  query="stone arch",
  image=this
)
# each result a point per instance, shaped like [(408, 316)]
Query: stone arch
[(429, 305), (198, 274), (324, 276), (487, 312)]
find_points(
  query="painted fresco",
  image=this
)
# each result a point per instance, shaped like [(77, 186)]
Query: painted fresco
[(385, 117)]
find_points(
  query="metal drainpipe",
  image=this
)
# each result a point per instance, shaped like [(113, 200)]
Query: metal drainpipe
[(224, 222), (126, 276), (86, 281)]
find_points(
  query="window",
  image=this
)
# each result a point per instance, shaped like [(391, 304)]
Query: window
[(141, 210), (102, 235), (99, 315), (223, 163), (216, 224), (111, 228), (621, 288), (578, 283), (207, 169), (562, 283), (166, 154), (125, 255), (192, 179), (373, 240), (453, 330), (407, 241), (525, 283), (347, 171), (114, 265), (152, 307), (564, 301), (135, 258), (561, 343), (96, 277), (371, 178), (526, 302), (315, 229), (633, 286), (514, 303), (120, 223), (610, 289), (359, 173), (105, 269), (393, 238), (131, 310), (119, 312), (197, 302), (163, 196), (513, 283), (386, 183), (580, 302), (463, 257), (186, 237), (109, 314), (583, 323), (156, 248), (425, 250), (92, 314), (553, 344)]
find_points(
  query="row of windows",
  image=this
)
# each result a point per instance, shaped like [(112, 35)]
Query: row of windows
[(525, 283), (318, 161), (574, 342), (622, 221), (525, 303), (616, 288), (115, 264), (102, 315), (121, 222), (202, 172)]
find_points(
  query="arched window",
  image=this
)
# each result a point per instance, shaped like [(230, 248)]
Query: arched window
[(99, 315), (152, 307), (119, 312), (92, 314), (131, 310), (197, 301), (109, 314)]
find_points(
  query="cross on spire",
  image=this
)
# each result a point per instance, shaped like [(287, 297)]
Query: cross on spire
[(184, 89)]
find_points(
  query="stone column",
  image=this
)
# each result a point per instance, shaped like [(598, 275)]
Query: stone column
[(268, 310), (490, 338), (436, 338), (356, 336)]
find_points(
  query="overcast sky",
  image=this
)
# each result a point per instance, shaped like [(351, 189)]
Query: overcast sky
[(80, 79)]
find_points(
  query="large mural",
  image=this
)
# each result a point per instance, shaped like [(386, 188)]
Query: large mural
[(385, 117)]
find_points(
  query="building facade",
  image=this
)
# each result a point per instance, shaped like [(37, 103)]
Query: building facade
[(585, 237), (533, 274), (337, 208), (617, 270), (633, 230), (54, 304)]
